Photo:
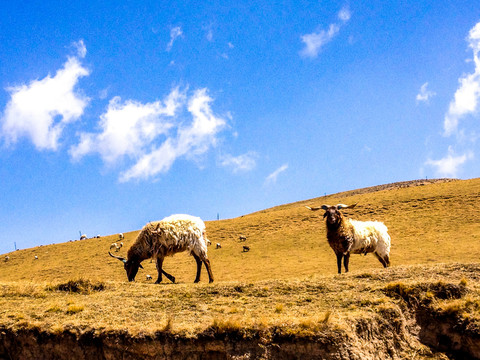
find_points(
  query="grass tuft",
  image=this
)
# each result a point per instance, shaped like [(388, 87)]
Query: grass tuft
[(80, 286)]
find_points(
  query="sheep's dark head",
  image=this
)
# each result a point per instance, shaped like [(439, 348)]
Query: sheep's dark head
[(131, 266), (332, 213)]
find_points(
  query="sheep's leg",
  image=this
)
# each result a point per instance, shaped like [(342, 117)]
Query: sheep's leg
[(385, 261), (346, 259), (209, 270), (339, 262), (159, 264), (160, 271), (199, 267)]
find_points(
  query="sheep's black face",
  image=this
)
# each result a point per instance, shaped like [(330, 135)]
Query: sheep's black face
[(334, 217), (131, 267)]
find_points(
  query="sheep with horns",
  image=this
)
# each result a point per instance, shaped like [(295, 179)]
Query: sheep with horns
[(346, 236), (167, 237)]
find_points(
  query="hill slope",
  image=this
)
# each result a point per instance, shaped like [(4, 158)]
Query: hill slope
[(433, 223), (281, 300)]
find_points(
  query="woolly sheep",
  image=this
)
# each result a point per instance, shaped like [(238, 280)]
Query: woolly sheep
[(167, 237), (120, 236), (83, 237), (346, 236), (116, 246), (219, 246), (242, 238), (7, 258), (149, 277), (246, 248)]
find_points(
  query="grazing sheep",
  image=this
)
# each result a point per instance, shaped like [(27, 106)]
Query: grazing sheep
[(242, 238), (209, 242), (347, 236), (169, 236), (219, 246), (83, 237), (246, 248), (116, 246), (7, 258), (36, 257), (120, 236), (149, 277)]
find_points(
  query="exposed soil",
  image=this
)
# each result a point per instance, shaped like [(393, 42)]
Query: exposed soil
[(411, 329)]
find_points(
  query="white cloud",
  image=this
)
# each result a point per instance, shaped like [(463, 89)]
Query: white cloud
[(41, 110), (241, 163), (450, 165), (316, 40), (153, 135), (81, 48), (344, 14), (467, 96), (128, 128), (424, 94), (272, 178), (175, 33)]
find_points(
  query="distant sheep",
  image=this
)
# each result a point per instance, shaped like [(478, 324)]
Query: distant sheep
[(246, 248), (149, 277), (242, 238), (83, 237), (7, 258), (209, 242), (36, 257), (218, 246), (346, 236), (167, 237), (116, 246), (120, 236)]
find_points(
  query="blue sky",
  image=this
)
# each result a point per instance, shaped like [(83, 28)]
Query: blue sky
[(113, 114)]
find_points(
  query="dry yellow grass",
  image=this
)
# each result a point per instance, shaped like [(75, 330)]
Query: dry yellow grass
[(287, 280)]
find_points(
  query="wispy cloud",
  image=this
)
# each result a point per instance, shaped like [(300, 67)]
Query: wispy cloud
[(41, 110), (316, 40), (175, 33), (449, 166), (272, 178), (153, 135), (241, 163), (467, 96), (425, 95), (80, 48)]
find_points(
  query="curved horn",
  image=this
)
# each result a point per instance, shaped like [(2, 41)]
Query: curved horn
[(324, 207), (117, 257), (343, 206)]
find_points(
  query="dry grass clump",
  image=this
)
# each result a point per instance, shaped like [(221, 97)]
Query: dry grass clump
[(80, 286)]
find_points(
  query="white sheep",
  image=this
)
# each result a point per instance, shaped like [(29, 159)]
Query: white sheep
[(218, 246), (169, 236), (116, 246), (36, 257), (346, 236), (7, 258), (83, 237), (149, 277), (120, 236)]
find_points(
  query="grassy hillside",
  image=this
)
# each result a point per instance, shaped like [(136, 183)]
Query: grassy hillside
[(429, 224), (285, 290)]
